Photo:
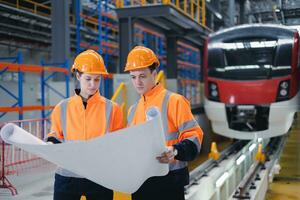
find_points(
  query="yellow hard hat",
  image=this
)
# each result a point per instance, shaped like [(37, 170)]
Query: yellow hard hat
[(140, 57), (89, 62)]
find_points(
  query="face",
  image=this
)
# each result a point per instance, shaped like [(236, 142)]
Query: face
[(89, 84), (143, 80)]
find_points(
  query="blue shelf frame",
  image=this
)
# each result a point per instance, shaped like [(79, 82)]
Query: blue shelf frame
[(19, 98), (106, 84), (44, 84)]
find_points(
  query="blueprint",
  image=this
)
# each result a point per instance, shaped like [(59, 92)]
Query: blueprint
[(121, 160)]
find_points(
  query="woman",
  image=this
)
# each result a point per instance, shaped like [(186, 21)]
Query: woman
[(84, 116)]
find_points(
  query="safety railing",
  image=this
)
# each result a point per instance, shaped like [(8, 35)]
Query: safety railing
[(31, 6), (44, 10), (161, 78), (194, 9), (15, 161), (121, 88)]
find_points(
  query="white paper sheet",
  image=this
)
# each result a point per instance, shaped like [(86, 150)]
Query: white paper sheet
[(121, 161)]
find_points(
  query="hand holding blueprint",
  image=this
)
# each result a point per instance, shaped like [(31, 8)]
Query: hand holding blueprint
[(121, 161)]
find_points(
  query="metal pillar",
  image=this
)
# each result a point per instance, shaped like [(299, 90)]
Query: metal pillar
[(60, 33), (231, 12), (242, 11), (78, 25), (171, 57), (20, 85), (125, 40)]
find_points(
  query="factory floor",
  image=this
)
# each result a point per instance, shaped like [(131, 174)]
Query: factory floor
[(286, 185)]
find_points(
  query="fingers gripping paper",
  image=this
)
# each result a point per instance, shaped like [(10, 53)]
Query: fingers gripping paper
[(121, 161)]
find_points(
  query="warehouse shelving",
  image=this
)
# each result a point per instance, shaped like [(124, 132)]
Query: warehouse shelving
[(152, 39), (16, 66), (100, 21), (189, 72)]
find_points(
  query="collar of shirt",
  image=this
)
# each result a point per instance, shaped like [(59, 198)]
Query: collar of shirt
[(153, 92), (92, 99)]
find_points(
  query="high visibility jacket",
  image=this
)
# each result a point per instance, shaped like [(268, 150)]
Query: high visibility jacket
[(71, 121), (178, 121)]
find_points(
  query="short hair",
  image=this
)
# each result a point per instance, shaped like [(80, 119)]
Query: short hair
[(153, 67), (76, 71)]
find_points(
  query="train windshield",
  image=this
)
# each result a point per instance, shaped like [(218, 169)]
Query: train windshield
[(250, 59)]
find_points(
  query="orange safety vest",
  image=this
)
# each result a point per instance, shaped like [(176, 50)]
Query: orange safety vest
[(177, 118), (72, 122)]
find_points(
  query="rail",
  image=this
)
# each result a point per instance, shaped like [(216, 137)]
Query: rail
[(161, 78), (194, 9), (219, 176), (273, 150), (15, 161), (31, 6), (45, 11), (121, 88)]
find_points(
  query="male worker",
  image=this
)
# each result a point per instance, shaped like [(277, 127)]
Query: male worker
[(182, 133), (84, 116)]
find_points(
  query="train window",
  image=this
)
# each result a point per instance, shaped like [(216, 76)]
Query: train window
[(283, 59), (250, 60)]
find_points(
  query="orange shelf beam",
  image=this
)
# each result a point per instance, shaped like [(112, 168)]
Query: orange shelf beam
[(25, 108), (14, 67)]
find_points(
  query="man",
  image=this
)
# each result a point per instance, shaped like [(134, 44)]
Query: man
[(182, 133), (84, 116)]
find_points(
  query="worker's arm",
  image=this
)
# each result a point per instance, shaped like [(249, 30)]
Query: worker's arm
[(189, 141), (55, 135), (186, 150)]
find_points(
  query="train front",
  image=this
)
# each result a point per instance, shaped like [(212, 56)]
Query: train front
[(251, 75)]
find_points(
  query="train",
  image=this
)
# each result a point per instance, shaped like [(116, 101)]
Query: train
[(251, 80)]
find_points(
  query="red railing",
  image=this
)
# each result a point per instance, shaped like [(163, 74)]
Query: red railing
[(15, 161)]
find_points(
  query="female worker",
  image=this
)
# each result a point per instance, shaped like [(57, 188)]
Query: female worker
[(84, 116)]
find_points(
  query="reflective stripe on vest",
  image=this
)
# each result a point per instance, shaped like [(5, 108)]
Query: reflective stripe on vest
[(177, 164), (63, 116), (164, 115), (63, 121), (108, 109)]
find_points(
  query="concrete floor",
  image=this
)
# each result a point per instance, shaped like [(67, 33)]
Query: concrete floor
[(32, 186), (286, 185)]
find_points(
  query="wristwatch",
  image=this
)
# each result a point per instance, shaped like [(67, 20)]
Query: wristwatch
[(175, 152)]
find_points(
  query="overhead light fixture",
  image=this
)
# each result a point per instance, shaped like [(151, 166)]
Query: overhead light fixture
[(222, 179), (252, 146), (240, 159), (218, 15)]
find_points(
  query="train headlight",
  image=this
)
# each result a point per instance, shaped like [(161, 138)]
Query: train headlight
[(284, 84), (213, 86), (283, 90), (213, 93)]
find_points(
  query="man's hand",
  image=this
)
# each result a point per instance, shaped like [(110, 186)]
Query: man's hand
[(167, 156)]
